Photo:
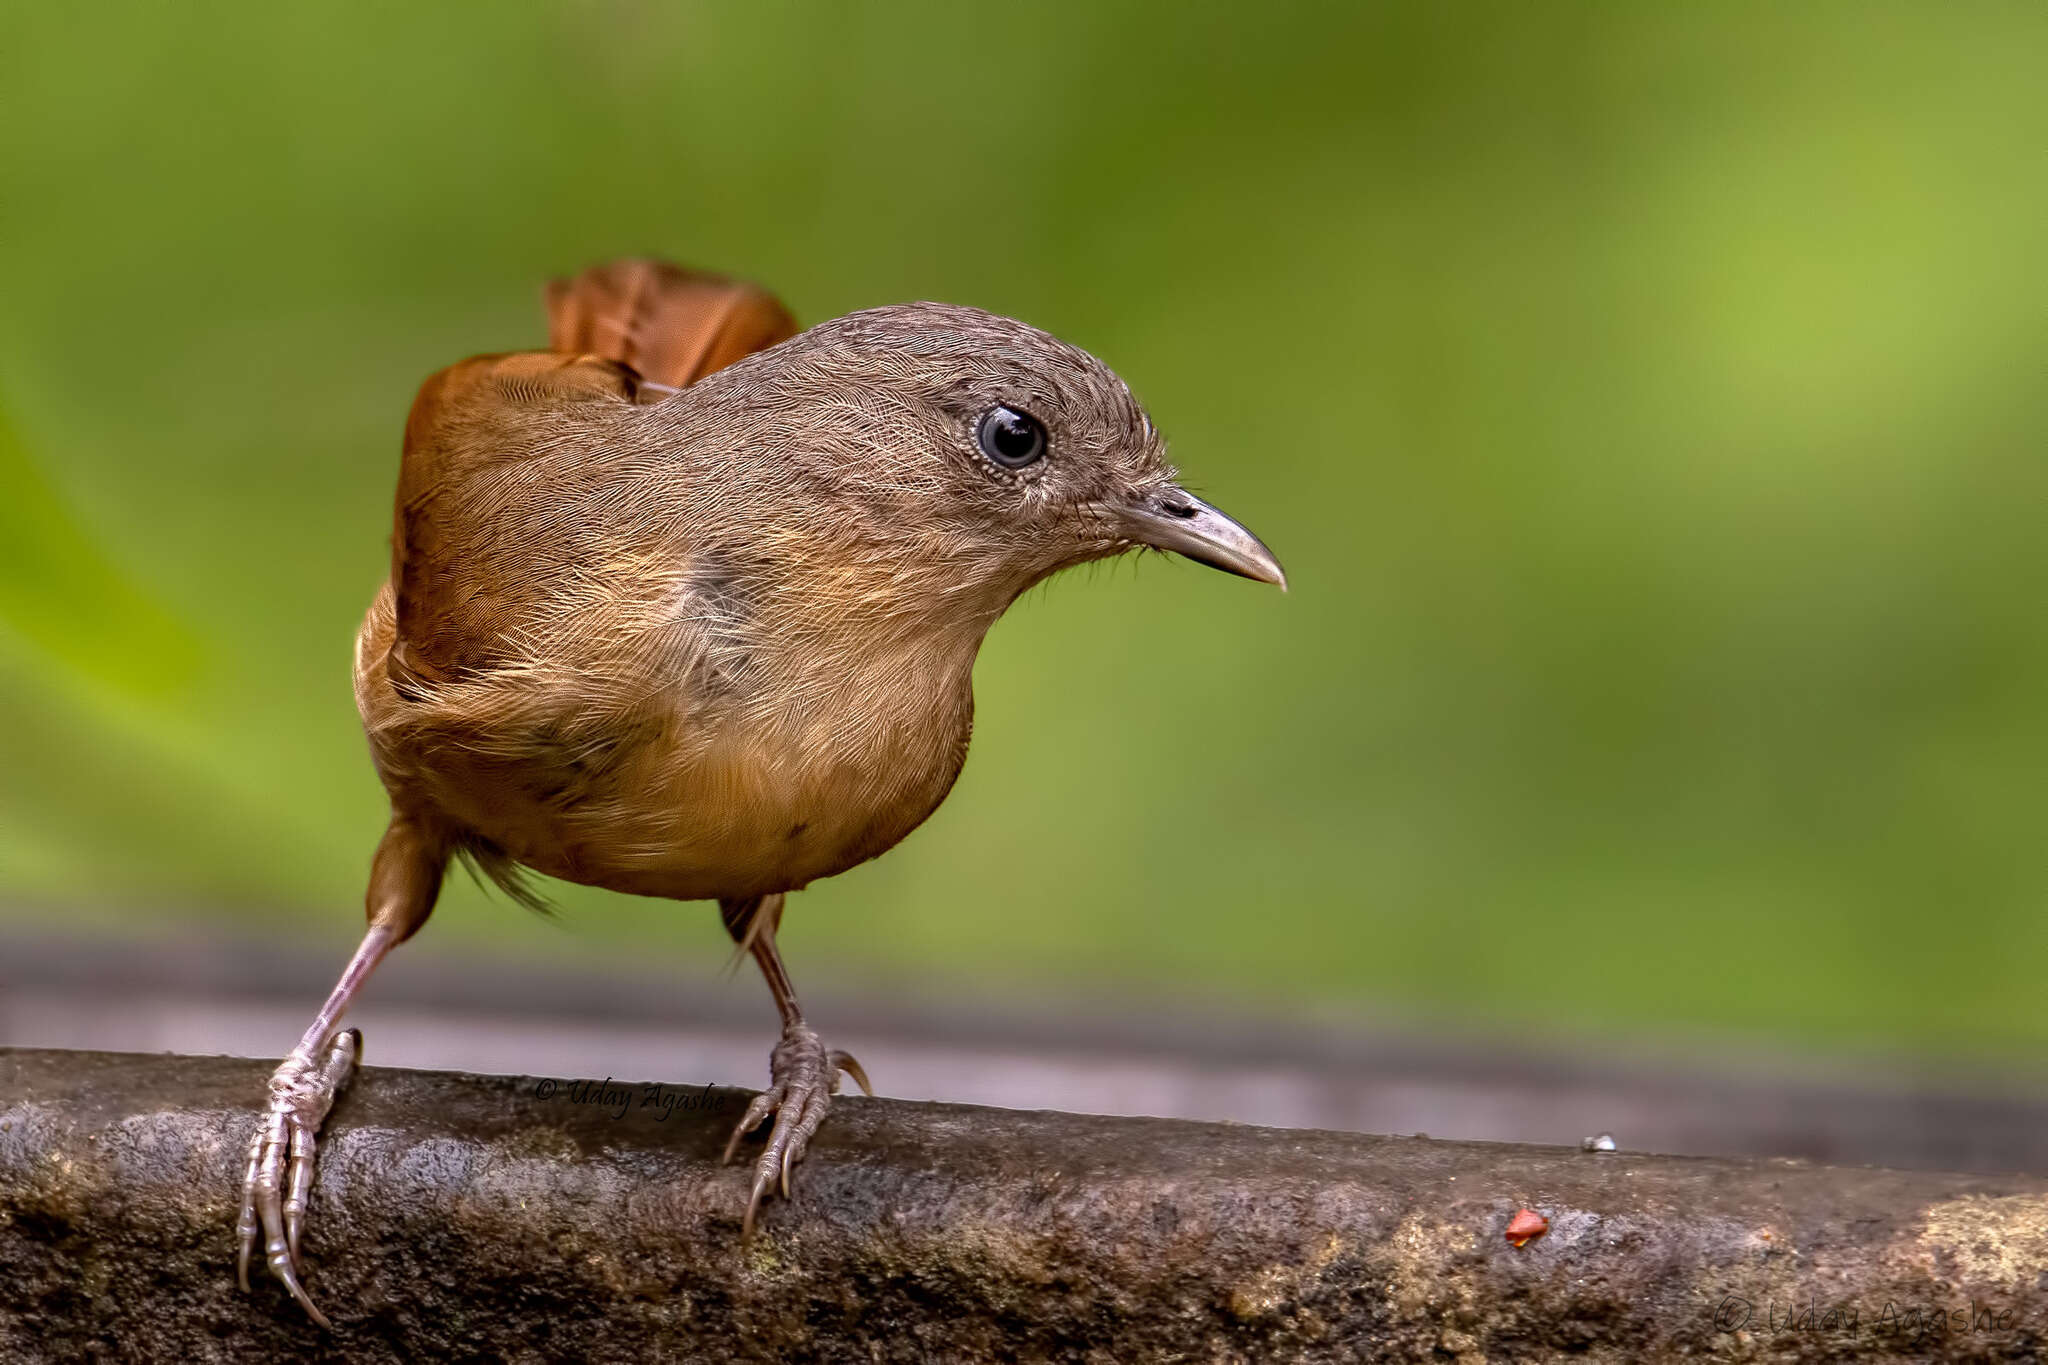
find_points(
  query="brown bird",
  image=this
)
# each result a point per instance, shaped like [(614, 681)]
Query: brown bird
[(688, 606)]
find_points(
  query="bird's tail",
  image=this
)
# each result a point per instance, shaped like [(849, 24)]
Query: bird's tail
[(673, 326)]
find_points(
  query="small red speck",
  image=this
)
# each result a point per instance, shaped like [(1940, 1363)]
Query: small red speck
[(1526, 1226)]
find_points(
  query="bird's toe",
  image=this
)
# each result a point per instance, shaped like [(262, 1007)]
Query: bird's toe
[(803, 1077)]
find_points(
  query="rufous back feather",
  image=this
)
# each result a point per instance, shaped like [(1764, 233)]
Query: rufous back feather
[(672, 326)]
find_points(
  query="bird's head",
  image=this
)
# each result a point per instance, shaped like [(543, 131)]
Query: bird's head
[(978, 449)]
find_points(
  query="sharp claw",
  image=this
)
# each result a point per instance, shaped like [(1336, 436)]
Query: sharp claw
[(284, 1272), (843, 1061), (799, 1143), (759, 1108), (762, 1180)]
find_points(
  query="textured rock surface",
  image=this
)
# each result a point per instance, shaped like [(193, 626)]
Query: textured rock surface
[(461, 1217)]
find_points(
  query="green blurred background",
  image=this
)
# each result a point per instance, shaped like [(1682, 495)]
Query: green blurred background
[(1646, 401)]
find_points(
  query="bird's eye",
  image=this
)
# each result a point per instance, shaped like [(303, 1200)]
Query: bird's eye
[(1010, 438)]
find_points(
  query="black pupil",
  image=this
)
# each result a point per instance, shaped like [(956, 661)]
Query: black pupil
[(1012, 438)]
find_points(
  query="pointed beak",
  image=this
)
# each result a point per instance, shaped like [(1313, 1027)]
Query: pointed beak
[(1171, 518)]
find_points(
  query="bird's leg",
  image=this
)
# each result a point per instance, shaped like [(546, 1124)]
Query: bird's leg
[(403, 883), (802, 1075)]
